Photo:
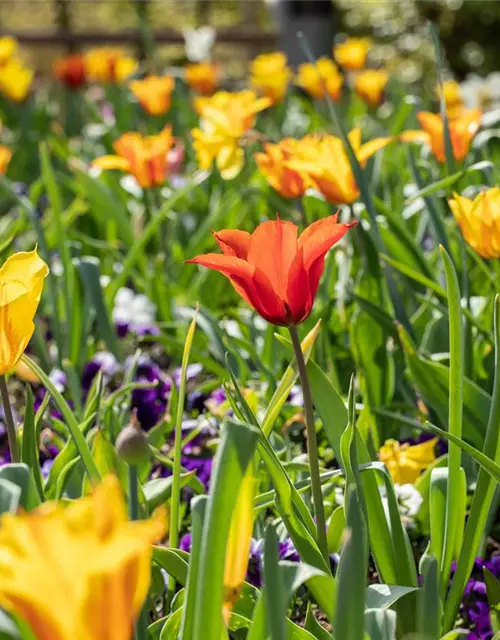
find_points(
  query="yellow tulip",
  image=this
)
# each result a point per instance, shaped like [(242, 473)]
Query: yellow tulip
[(370, 85), (15, 79), (274, 164), (109, 64), (239, 542), (225, 119), (21, 284), (315, 78), (202, 77), (270, 75), (351, 54), (143, 157), (8, 48), (479, 221), (81, 572), (404, 461), (5, 156), (154, 93), (452, 97)]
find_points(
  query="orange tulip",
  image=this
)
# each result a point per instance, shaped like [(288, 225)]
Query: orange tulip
[(143, 157), (271, 75), (154, 93), (274, 164), (274, 270), (5, 156), (202, 77), (370, 85), (71, 70), (462, 130), (109, 64), (314, 78), (351, 54)]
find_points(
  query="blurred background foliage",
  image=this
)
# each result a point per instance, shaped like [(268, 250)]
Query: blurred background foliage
[(469, 29)]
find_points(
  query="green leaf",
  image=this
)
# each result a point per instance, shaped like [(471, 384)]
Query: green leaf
[(335, 531), (10, 496), (380, 624), (29, 448), (172, 562), (172, 626), (18, 475), (312, 625), (275, 596), (493, 593), (382, 596), (429, 617)]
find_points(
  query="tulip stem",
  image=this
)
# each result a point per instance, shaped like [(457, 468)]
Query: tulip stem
[(312, 444), (9, 421), (141, 624)]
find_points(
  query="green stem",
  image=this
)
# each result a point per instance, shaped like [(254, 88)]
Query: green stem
[(9, 421), (141, 624), (312, 445)]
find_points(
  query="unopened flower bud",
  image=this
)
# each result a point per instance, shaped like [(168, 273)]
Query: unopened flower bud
[(132, 444)]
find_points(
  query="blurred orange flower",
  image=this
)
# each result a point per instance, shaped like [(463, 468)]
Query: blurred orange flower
[(71, 70), (462, 129), (370, 85), (274, 164), (314, 78), (143, 157), (202, 77), (109, 64), (351, 54), (5, 156), (479, 221), (272, 269), (270, 75), (154, 93)]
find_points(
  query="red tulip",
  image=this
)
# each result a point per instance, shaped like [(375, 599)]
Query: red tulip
[(273, 269)]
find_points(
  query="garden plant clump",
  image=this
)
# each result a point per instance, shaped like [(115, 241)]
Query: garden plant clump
[(249, 351)]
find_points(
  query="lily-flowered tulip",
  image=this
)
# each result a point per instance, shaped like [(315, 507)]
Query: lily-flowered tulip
[(370, 85), (109, 64), (351, 54), (326, 163), (71, 70), (5, 156), (8, 48), (21, 284), (452, 97), (225, 119), (270, 75), (144, 157), (462, 130), (97, 575), (202, 77), (154, 93), (273, 269), (274, 164), (315, 78), (479, 221), (15, 79), (406, 462)]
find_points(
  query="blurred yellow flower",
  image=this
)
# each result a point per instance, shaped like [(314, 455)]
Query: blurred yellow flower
[(109, 64), (225, 119), (351, 54), (324, 160), (314, 78), (81, 572), (154, 93), (370, 85), (15, 79), (479, 221), (8, 48), (274, 164), (5, 156), (452, 97), (462, 130), (21, 284), (238, 543), (202, 77), (144, 157), (404, 461), (270, 75)]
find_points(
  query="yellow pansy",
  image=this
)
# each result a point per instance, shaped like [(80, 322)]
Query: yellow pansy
[(21, 284), (479, 221), (81, 572), (15, 79), (406, 462)]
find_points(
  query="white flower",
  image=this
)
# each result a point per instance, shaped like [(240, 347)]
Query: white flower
[(409, 499), (481, 92), (133, 309), (198, 43)]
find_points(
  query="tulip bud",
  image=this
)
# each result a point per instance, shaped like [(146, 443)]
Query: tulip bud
[(132, 444)]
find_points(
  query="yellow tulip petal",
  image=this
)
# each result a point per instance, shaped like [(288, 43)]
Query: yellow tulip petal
[(369, 148), (111, 162)]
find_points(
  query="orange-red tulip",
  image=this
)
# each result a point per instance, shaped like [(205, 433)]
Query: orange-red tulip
[(154, 93), (71, 70), (202, 77), (273, 269)]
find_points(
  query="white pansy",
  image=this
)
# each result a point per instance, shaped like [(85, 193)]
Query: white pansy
[(198, 43), (133, 309), (409, 499)]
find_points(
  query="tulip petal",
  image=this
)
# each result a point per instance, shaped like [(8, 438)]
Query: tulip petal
[(16, 325), (111, 162), (233, 242), (355, 139), (415, 136), (26, 267), (369, 148), (321, 236)]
